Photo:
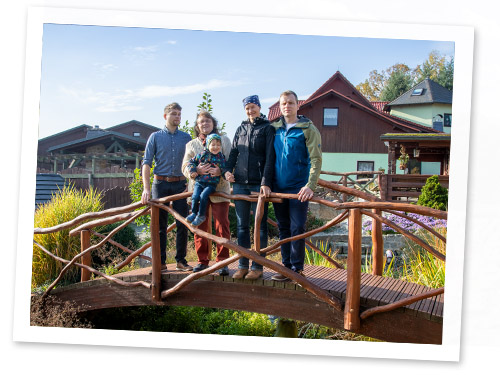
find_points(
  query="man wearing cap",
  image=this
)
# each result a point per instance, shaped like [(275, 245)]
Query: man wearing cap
[(166, 147), (250, 167), (298, 165)]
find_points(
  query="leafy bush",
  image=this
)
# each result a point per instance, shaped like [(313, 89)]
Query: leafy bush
[(434, 195), (64, 206)]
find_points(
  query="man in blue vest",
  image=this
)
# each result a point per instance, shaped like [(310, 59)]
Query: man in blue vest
[(297, 144), (166, 147)]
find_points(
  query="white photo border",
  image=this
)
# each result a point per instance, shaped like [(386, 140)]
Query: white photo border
[(463, 37)]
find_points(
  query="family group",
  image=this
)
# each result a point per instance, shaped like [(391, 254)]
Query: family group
[(283, 157)]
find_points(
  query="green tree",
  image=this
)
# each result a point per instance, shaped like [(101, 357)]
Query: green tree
[(436, 68), (399, 81), (372, 87)]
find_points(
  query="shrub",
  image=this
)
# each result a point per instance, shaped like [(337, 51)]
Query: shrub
[(434, 195), (64, 206)]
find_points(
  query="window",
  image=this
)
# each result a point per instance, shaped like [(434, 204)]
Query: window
[(447, 119), (137, 134), (417, 92), (330, 116), (368, 166)]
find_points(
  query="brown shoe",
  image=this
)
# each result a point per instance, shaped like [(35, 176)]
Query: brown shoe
[(240, 274), (254, 275), (280, 277)]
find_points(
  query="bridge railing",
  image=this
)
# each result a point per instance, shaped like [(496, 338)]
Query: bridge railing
[(367, 204)]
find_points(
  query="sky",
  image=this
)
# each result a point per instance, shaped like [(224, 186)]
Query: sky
[(105, 76)]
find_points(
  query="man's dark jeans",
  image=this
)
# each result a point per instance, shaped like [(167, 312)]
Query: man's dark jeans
[(292, 216), (162, 189)]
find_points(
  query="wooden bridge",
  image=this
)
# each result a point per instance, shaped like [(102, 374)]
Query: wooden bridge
[(369, 304)]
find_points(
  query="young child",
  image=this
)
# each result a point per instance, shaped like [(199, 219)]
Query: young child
[(205, 184)]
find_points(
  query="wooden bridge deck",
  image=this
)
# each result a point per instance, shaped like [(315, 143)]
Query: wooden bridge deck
[(420, 322), (375, 290)]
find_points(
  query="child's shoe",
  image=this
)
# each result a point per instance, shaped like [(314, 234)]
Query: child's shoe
[(199, 219), (191, 217)]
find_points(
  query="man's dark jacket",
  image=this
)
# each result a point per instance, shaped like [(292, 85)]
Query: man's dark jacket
[(252, 153)]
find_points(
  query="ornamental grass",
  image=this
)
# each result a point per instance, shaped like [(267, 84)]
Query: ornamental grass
[(64, 206)]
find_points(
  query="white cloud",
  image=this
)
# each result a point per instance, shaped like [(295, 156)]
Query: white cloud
[(129, 99), (146, 49), (155, 91)]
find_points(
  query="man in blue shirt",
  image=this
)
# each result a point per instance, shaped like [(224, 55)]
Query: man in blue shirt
[(166, 147)]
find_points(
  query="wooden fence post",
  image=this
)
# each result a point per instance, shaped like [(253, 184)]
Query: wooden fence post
[(377, 246), (155, 254), (344, 182), (87, 258), (351, 309)]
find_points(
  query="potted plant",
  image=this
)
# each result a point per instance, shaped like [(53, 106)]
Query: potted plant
[(403, 159)]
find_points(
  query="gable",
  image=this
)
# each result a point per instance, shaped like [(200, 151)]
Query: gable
[(340, 84)]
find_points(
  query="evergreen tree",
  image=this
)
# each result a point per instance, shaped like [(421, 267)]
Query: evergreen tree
[(433, 195), (398, 83)]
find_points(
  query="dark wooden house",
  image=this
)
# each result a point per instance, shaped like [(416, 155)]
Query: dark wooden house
[(105, 159), (351, 126)]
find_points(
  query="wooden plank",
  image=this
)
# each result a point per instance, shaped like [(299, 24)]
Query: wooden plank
[(394, 293), (391, 286), (338, 283), (437, 310), (412, 309), (373, 298)]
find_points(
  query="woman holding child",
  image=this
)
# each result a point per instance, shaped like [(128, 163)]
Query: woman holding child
[(206, 125), (250, 167)]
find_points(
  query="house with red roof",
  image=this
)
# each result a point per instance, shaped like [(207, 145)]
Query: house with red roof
[(351, 128)]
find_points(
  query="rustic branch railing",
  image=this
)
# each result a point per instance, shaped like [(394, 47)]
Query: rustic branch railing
[(369, 205), (361, 184)]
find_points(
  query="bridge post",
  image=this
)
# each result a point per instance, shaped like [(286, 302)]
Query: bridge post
[(351, 309), (377, 246), (259, 214), (155, 254), (86, 258)]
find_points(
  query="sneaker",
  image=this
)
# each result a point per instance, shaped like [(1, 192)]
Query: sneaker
[(280, 277), (224, 271), (240, 274), (183, 266), (254, 275), (191, 217), (199, 219), (200, 267), (301, 273)]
